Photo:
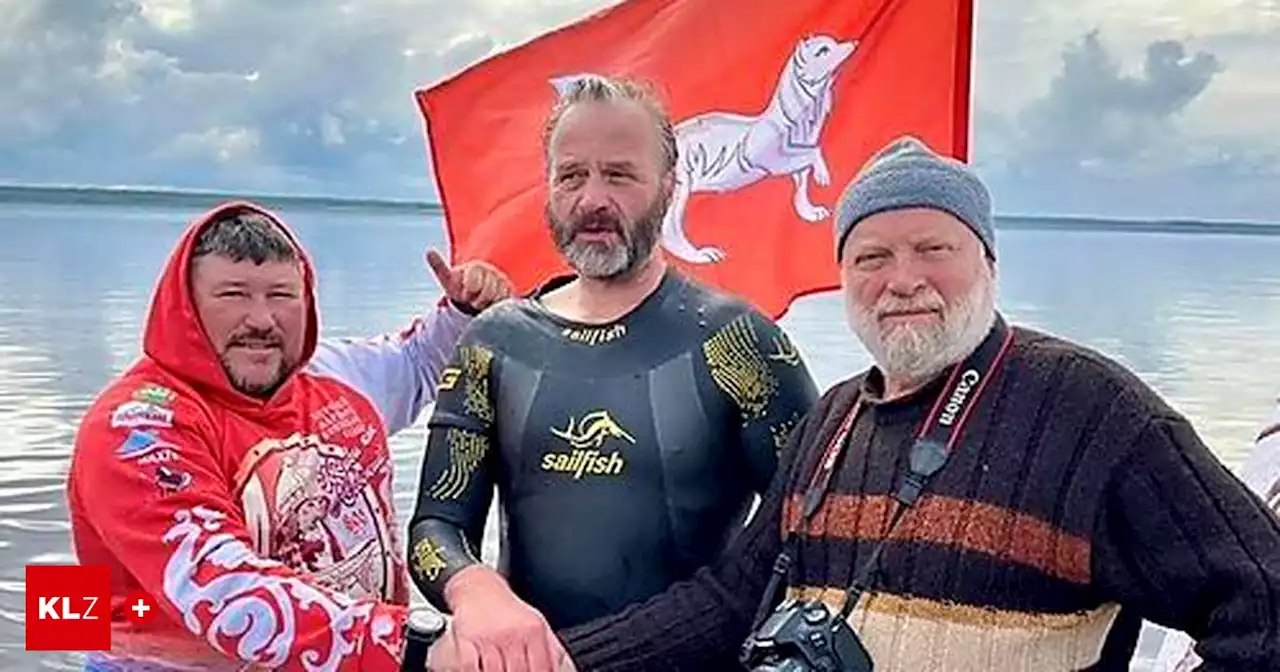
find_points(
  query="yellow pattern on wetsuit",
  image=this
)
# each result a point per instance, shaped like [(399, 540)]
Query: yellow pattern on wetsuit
[(428, 559), (782, 431), (784, 350), (466, 452), (740, 368), (475, 362)]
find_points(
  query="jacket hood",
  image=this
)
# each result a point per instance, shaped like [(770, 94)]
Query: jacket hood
[(175, 339)]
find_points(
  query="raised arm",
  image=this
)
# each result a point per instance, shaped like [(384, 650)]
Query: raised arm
[(757, 367), (169, 517), (1191, 548), (398, 373)]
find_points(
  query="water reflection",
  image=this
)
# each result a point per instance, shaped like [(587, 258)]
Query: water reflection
[(1189, 314)]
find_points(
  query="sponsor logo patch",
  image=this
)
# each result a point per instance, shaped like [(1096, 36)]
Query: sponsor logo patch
[(146, 448), (141, 414), (154, 394), (171, 481)]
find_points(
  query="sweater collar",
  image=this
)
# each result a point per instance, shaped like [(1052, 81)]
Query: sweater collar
[(872, 386)]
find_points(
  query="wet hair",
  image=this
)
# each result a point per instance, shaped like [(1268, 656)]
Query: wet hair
[(601, 89), (244, 234)]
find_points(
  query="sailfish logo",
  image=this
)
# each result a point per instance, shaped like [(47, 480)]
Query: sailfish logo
[(586, 438), (595, 428)]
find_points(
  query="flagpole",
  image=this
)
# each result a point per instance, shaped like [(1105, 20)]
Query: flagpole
[(963, 130)]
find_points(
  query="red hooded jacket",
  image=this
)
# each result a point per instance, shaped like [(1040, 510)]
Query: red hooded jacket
[(264, 528)]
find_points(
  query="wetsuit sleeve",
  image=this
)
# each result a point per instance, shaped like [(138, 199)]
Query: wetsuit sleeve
[(163, 507), (398, 373), (1185, 544), (455, 487), (757, 367), (697, 624)]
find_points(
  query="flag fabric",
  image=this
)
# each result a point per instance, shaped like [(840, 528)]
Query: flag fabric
[(777, 103)]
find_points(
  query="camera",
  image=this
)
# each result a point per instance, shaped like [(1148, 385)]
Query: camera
[(802, 636)]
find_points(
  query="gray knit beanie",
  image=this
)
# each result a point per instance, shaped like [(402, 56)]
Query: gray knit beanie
[(908, 174)]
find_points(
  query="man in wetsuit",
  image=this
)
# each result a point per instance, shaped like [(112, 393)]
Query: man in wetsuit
[(626, 416)]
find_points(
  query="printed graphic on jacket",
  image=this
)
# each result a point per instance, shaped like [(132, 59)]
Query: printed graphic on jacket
[(318, 507)]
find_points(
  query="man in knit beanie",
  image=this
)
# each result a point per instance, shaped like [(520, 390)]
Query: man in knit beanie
[(1069, 501), (915, 330)]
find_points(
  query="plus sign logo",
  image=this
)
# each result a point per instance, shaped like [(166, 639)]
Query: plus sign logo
[(68, 608), (140, 609)]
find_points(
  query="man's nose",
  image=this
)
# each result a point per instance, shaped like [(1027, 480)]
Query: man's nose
[(905, 277), (595, 194), (260, 315)]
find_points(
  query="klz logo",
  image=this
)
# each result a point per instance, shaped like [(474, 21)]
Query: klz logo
[(68, 608), (60, 609)]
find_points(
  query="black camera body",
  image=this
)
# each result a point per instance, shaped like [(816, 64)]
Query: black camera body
[(802, 636)]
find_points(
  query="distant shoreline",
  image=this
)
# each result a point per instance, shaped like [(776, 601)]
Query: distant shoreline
[(193, 199), (182, 198)]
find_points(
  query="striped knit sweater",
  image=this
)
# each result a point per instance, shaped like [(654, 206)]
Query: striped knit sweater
[(1075, 490)]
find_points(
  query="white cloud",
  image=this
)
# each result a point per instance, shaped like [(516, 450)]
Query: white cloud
[(168, 15), (1164, 111), (225, 145), (317, 94)]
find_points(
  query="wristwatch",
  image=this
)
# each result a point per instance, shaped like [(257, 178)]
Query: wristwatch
[(422, 628)]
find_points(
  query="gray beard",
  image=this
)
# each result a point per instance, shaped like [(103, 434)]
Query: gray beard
[(917, 354), (603, 261), (606, 260)]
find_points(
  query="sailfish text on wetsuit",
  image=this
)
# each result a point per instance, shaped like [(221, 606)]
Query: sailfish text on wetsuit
[(586, 439)]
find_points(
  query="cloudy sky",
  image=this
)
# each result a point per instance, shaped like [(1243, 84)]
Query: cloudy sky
[(1163, 108)]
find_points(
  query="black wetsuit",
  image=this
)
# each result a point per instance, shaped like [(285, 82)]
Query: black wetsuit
[(625, 454)]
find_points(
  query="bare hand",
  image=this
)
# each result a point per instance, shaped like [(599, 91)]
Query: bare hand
[(495, 631), (449, 654), (472, 285)]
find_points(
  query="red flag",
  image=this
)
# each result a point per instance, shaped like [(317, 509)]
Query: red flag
[(763, 78)]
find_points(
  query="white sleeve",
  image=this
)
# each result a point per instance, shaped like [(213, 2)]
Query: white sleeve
[(398, 373), (1261, 468), (1177, 653)]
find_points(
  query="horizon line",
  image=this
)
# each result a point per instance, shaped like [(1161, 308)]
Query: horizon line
[(115, 194)]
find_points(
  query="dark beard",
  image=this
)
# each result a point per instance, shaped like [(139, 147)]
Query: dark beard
[(258, 390), (609, 261)]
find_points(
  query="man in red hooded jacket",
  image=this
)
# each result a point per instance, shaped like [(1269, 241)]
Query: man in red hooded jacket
[(238, 475)]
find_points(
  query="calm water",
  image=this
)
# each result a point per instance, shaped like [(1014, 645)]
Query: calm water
[(1191, 314)]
